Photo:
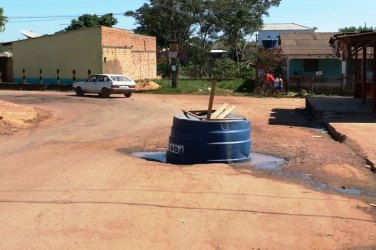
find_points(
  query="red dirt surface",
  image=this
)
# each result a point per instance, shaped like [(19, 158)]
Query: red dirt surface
[(14, 117), (71, 184)]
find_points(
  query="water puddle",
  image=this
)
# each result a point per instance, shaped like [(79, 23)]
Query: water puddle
[(350, 191), (320, 185), (258, 161), (151, 156), (263, 162)]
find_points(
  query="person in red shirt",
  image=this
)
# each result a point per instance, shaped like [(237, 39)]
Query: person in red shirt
[(269, 80), (269, 77)]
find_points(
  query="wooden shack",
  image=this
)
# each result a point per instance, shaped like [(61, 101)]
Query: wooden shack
[(357, 49)]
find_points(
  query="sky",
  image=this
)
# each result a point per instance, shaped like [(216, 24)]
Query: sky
[(49, 16)]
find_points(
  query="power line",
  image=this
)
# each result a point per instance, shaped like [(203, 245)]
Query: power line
[(56, 16), (41, 17), (28, 19), (39, 20)]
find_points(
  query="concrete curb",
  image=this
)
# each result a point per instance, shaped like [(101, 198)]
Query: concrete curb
[(342, 139), (335, 134), (318, 115)]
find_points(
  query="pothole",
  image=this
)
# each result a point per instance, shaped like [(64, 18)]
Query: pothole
[(271, 164)]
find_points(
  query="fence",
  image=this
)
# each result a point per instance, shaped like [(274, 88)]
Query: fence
[(329, 85)]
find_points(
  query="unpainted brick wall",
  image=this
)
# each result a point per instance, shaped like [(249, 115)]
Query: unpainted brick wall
[(134, 54)]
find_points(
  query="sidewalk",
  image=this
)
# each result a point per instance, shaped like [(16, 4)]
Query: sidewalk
[(349, 121)]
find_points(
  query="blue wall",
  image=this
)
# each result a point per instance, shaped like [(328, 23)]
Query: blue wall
[(329, 67), (48, 81)]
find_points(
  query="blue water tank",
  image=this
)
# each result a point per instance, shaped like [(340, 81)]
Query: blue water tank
[(209, 141), (268, 44)]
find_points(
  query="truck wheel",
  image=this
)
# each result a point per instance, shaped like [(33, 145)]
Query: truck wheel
[(79, 91), (105, 93), (127, 95)]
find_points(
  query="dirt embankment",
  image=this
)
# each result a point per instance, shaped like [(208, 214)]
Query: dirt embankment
[(14, 117)]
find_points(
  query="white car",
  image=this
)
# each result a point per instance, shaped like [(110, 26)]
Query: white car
[(106, 84)]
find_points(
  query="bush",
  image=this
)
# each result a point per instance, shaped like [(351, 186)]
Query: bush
[(188, 71), (163, 69), (183, 87), (248, 86), (228, 69), (202, 87), (229, 84), (223, 68)]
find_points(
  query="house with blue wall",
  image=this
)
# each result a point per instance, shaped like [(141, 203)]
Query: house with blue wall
[(309, 56)]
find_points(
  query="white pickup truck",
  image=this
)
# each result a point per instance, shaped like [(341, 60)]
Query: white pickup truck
[(106, 84)]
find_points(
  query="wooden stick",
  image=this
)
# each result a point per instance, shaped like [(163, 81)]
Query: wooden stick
[(211, 100)]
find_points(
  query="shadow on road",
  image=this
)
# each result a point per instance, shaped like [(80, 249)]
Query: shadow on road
[(98, 97), (290, 117), (323, 110)]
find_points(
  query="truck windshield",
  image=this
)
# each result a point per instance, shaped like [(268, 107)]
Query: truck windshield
[(119, 78)]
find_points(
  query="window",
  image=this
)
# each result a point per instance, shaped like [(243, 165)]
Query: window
[(311, 65), (103, 79), (119, 78), (93, 79)]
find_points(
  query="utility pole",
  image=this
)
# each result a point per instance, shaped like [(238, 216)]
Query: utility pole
[(173, 48)]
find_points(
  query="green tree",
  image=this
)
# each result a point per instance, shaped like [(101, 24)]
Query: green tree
[(199, 24), (272, 58), (153, 21), (165, 18), (87, 20), (355, 29), (206, 30), (3, 20), (240, 19)]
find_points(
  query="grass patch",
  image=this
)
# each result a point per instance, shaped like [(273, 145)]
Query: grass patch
[(202, 87)]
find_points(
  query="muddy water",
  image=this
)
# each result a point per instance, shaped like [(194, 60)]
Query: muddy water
[(151, 156), (263, 162), (258, 161)]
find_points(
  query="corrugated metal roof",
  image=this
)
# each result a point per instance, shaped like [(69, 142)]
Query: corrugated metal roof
[(285, 26), (306, 43)]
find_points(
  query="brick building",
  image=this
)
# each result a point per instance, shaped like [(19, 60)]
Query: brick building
[(67, 56)]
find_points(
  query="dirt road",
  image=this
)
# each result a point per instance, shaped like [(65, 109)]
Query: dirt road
[(69, 183)]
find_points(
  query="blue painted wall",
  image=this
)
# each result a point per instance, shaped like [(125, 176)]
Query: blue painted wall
[(48, 81), (329, 67)]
